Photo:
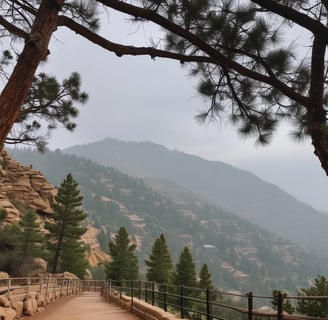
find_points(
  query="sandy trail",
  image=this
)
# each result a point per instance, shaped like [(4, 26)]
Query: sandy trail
[(87, 306)]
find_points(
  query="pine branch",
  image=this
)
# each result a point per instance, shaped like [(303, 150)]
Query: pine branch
[(299, 18), (13, 29), (217, 56)]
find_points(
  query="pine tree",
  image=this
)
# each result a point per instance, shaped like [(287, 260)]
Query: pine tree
[(205, 280), (124, 264), (185, 273), (159, 264), (66, 228), (239, 50), (287, 306), (9, 261), (73, 258), (3, 215), (314, 307), (30, 240)]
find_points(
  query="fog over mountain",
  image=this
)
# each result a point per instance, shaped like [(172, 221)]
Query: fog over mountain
[(240, 255), (233, 189)]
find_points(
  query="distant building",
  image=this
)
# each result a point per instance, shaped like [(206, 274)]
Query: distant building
[(208, 246)]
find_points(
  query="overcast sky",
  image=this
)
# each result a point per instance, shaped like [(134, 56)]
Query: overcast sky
[(139, 99)]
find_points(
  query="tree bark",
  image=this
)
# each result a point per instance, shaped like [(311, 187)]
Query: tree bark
[(35, 49), (317, 118)]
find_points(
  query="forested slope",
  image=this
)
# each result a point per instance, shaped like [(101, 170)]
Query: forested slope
[(240, 255)]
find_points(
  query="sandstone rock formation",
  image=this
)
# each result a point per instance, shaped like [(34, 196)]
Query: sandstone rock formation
[(96, 255), (22, 187)]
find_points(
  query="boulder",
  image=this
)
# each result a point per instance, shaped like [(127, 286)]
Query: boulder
[(10, 314), (4, 275), (30, 305), (2, 313), (34, 267), (18, 307), (4, 302)]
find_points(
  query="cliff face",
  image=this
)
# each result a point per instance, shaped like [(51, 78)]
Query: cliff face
[(22, 187)]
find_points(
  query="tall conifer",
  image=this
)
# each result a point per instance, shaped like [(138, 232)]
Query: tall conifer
[(30, 240), (205, 280), (124, 264), (159, 264), (185, 273), (66, 228)]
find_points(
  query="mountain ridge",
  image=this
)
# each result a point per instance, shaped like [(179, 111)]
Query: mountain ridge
[(240, 255), (233, 189)]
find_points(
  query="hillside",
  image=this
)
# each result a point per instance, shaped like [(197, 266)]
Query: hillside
[(233, 189), (240, 255)]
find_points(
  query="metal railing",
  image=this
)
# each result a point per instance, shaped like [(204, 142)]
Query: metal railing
[(209, 304), (93, 285), (41, 285)]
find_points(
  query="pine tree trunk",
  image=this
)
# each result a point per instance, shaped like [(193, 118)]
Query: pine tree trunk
[(14, 94), (316, 114)]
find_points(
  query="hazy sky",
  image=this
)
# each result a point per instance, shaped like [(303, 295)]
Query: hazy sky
[(139, 99)]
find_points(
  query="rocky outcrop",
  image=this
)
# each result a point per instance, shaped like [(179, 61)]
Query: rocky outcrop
[(21, 186), (95, 256)]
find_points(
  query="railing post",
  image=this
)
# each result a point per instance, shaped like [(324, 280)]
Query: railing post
[(61, 287), (153, 293), (165, 296), (48, 280), (250, 305), (28, 286), (146, 293), (181, 302), (139, 289), (208, 304), (41, 285), (9, 288), (132, 293), (280, 306)]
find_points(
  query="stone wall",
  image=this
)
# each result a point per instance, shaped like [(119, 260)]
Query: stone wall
[(32, 295), (138, 307)]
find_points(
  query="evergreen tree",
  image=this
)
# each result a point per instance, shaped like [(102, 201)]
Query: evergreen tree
[(73, 258), (205, 280), (159, 264), (185, 273), (203, 283), (235, 48), (314, 307), (66, 228), (3, 215), (30, 240), (124, 264), (9, 260), (287, 306)]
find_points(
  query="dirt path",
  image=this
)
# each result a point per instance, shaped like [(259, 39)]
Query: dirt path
[(87, 306)]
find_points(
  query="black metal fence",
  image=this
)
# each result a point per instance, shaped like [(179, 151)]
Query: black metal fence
[(210, 304)]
